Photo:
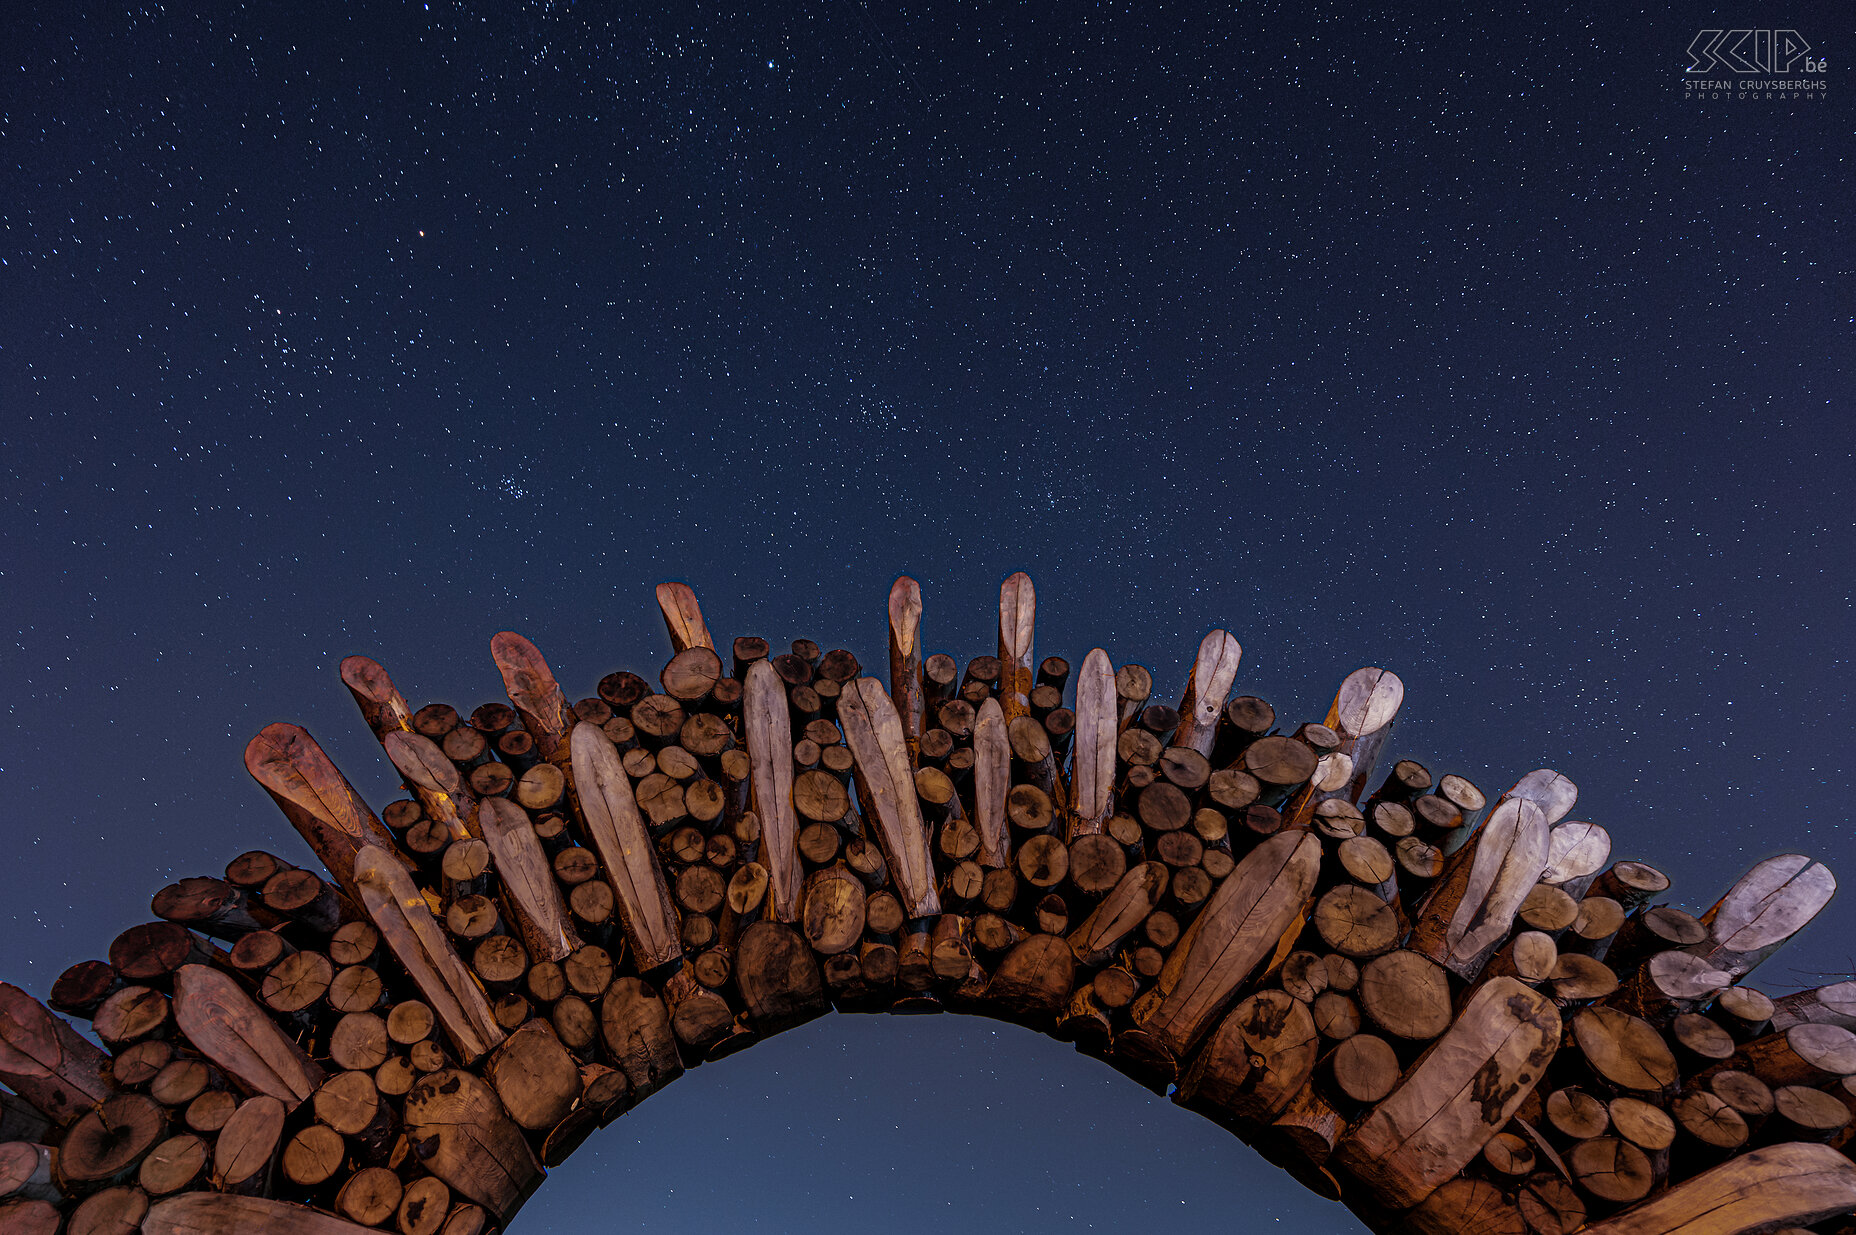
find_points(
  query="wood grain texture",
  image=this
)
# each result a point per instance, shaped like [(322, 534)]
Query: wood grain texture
[(1240, 925), (1092, 776), (434, 780), (1459, 1094), (992, 780), (1214, 671), (617, 830), (531, 897), (400, 913), (886, 784), (683, 617), (382, 706), (1553, 792), (1763, 910), (1787, 1184), (316, 798), (460, 1132), (1471, 908), (230, 1029), (767, 728), (905, 655), (531, 688), (46, 1062), (1018, 607), (216, 1213), (1120, 913)]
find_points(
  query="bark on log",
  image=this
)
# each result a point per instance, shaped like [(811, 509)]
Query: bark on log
[(1459, 1094), (886, 786), (407, 927), (316, 798), (1214, 670), (382, 706), (617, 830), (1236, 930), (1825, 1005), (1018, 606), (45, 1061), (232, 1031)]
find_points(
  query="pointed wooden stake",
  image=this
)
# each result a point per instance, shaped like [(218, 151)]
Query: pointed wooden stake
[(1092, 774), (767, 726), (531, 895), (886, 785), (46, 1062), (434, 780), (1792, 1184), (905, 656), (316, 798), (1760, 913), (537, 697), (992, 779), (1468, 912), (618, 833), (683, 617), (1214, 671), (1361, 716), (1018, 607), (399, 911), (221, 1020)]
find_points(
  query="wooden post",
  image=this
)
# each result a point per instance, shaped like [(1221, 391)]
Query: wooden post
[(1213, 672), (683, 617), (1018, 607), (905, 657)]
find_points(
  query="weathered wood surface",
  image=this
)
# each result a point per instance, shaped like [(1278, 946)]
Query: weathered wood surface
[(683, 617), (886, 783), (905, 656), (1792, 1183), (617, 830), (1214, 670), (1237, 928), (1018, 607), (316, 798), (1258, 1058), (992, 779), (768, 730), (1120, 913), (1834, 1004), (1471, 908), (1362, 715), (45, 1061), (531, 896), (382, 706), (1551, 791), (1576, 852), (460, 1132), (434, 780), (1763, 910), (1457, 1096), (1092, 777), (230, 1029), (537, 697), (218, 1213), (400, 913)]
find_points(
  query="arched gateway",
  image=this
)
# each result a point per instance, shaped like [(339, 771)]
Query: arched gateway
[(1455, 1014)]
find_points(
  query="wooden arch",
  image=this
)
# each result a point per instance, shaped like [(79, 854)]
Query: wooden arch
[(1450, 1010)]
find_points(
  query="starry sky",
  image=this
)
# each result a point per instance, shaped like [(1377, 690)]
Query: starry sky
[(1469, 348)]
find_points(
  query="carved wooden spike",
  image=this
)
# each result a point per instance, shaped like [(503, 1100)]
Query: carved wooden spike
[(1552, 792), (1018, 607), (1470, 910), (1788, 1184), (1213, 672), (217, 1213), (1093, 762), (992, 779), (683, 617), (1457, 1096), (531, 687), (381, 704), (887, 785), (221, 1020), (315, 797), (1576, 852), (618, 833), (1770, 903), (905, 655), (768, 728), (434, 780), (399, 911), (1120, 914), (461, 1133), (45, 1061), (533, 896), (1245, 918)]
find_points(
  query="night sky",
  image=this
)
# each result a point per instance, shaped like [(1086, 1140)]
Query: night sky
[(1474, 351)]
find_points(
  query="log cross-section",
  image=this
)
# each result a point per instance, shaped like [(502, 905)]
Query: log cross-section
[(617, 830), (886, 784), (768, 729)]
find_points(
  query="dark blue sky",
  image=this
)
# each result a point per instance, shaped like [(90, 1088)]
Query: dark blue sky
[(1461, 345)]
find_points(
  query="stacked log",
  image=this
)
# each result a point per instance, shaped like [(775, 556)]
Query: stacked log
[(1451, 1012)]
